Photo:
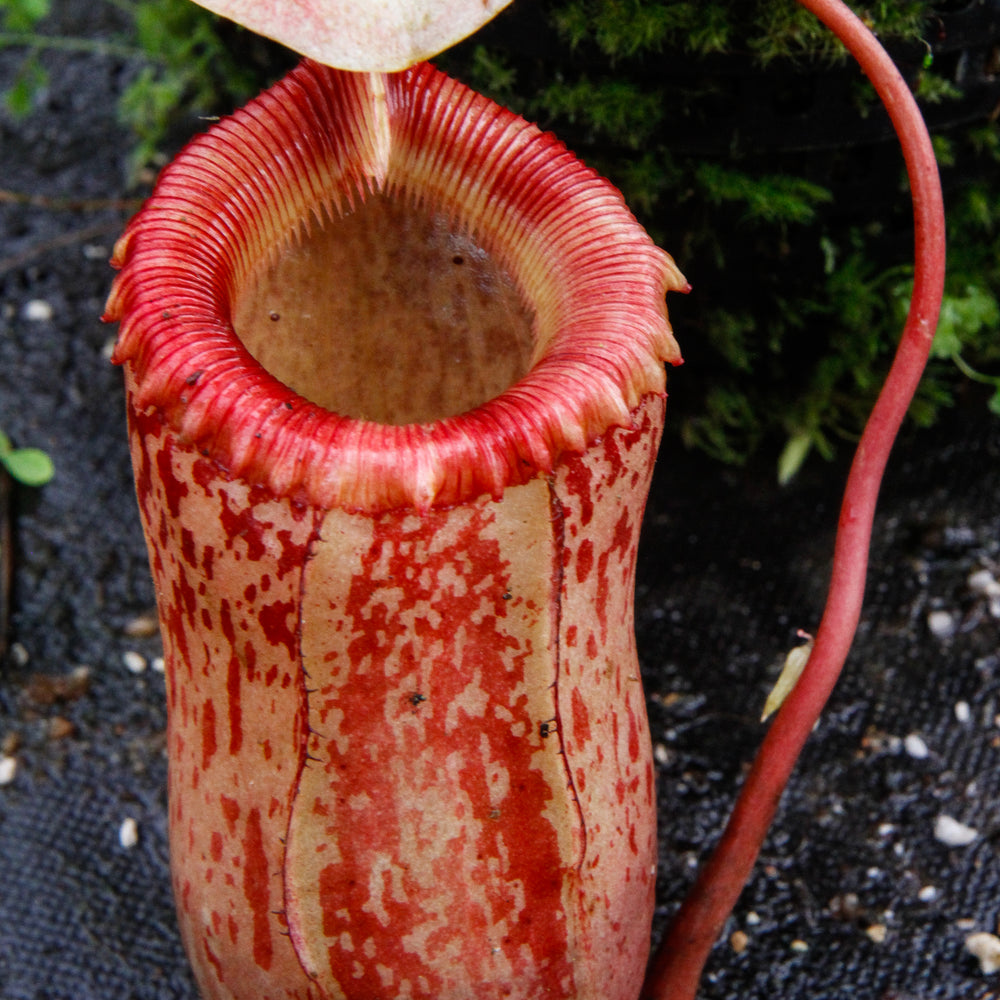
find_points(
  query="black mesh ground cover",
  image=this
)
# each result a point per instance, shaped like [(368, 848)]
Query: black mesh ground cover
[(730, 568)]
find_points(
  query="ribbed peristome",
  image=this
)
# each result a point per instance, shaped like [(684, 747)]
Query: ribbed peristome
[(315, 147)]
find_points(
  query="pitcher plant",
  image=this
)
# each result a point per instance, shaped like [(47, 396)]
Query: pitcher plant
[(394, 362)]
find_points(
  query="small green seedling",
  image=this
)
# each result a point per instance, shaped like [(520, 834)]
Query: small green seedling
[(29, 466)]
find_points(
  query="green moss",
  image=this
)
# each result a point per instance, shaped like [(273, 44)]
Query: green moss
[(770, 29), (784, 30), (619, 111), (769, 198), (799, 258), (625, 28), (188, 68), (187, 64)]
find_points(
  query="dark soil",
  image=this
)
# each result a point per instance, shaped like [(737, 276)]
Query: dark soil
[(854, 897)]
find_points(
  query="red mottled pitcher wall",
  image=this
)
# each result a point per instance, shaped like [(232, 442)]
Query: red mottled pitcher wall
[(395, 369), (228, 573), (409, 754)]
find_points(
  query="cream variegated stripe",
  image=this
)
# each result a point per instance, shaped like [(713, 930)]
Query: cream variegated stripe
[(434, 837)]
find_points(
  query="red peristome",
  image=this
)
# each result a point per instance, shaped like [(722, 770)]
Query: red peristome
[(318, 145)]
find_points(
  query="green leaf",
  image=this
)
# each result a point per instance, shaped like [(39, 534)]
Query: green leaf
[(947, 341), (962, 317), (5, 445), (994, 403), (20, 96), (30, 466), (793, 455), (22, 15)]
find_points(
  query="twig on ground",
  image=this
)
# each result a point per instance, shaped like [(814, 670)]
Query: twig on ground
[(63, 240), (60, 204)]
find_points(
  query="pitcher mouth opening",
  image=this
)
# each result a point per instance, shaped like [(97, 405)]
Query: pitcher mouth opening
[(388, 314), (381, 290)]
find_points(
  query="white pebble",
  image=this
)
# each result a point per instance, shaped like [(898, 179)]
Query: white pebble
[(953, 833), (128, 833), (927, 893), (986, 948), (799, 946), (916, 747), (942, 624), (37, 311), (8, 768), (134, 662), (158, 665), (963, 713), (982, 581)]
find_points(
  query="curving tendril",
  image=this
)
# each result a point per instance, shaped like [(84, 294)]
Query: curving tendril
[(677, 967)]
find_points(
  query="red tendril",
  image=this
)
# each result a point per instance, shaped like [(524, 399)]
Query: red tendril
[(675, 972)]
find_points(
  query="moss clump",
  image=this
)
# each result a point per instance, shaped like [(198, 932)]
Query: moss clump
[(182, 62), (742, 137), (749, 145)]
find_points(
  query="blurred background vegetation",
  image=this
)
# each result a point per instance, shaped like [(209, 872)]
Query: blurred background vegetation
[(743, 138)]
